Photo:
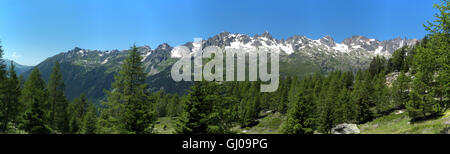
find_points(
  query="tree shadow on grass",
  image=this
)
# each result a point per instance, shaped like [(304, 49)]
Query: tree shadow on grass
[(426, 118), (445, 130)]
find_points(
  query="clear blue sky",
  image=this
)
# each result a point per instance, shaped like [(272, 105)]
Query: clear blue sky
[(32, 30)]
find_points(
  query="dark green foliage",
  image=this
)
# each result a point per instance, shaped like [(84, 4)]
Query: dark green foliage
[(129, 108), (430, 89), (348, 110), (381, 96), (33, 121), (399, 61), (400, 90), (34, 97), (284, 94), (90, 120), (417, 106), (74, 125), (58, 104), (162, 101), (301, 118), (250, 108), (361, 96), (174, 108), (207, 110), (78, 109), (421, 103), (9, 103), (3, 88), (327, 103), (313, 103), (194, 119), (377, 66)]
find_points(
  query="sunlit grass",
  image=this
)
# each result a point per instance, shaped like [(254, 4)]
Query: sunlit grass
[(400, 124)]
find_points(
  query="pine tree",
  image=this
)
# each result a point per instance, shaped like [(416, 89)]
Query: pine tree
[(59, 118), (194, 118), (381, 96), (35, 98), (222, 116), (361, 96), (10, 104), (328, 108), (293, 93), (161, 103), (74, 125), (348, 107), (401, 90), (250, 105), (129, 108), (398, 60), (300, 119), (284, 94), (21, 81), (207, 110), (78, 110), (377, 65), (421, 103), (3, 86), (90, 121), (440, 44), (174, 107), (429, 94), (242, 112)]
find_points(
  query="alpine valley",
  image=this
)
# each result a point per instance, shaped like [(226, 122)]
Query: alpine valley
[(92, 71)]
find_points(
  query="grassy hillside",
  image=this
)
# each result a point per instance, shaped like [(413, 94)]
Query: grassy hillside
[(399, 123), (270, 123), (165, 125), (395, 123)]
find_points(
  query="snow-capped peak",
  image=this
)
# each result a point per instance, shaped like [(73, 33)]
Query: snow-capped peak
[(299, 43)]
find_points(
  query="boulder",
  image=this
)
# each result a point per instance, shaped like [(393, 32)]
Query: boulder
[(345, 129)]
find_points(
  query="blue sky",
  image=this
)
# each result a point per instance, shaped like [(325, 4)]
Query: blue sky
[(32, 30)]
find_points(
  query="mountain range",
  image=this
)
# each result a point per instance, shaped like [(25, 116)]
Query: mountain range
[(19, 68), (92, 71)]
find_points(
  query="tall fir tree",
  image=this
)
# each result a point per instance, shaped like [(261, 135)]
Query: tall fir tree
[(361, 96), (328, 109), (129, 108), (429, 94), (90, 120), (10, 106), (206, 110), (58, 104), (175, 106), (3, 84), (400, 90), (194, 119), (34, 97), (300, 118), (420, 104), (78, 109), (381, 96)]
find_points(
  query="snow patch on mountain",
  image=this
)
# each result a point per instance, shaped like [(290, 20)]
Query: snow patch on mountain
[(302, 44)]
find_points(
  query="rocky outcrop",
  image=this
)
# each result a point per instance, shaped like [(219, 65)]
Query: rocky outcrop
[(345, 129)]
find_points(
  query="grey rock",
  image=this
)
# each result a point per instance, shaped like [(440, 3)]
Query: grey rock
[(345, 129)]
